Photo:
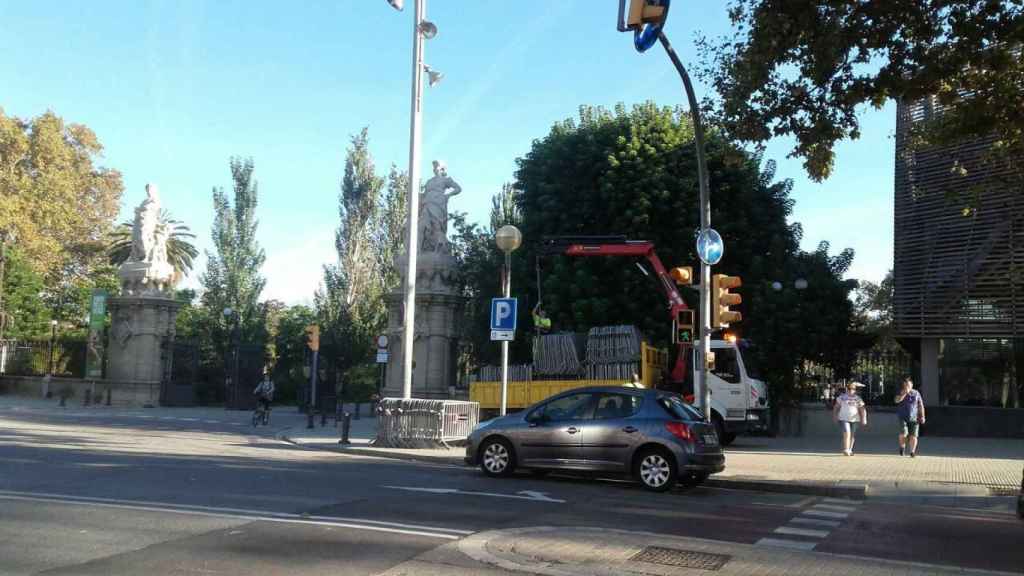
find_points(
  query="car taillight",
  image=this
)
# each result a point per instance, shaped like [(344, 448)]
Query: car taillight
[(680, 430)]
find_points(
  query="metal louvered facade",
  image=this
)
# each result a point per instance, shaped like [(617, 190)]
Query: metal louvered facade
[(957, 274)]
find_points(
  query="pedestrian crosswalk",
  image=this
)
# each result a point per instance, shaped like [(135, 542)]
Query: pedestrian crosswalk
[(815, 523)]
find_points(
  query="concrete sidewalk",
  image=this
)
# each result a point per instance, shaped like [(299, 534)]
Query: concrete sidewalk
[(946, 470), (554, 551)]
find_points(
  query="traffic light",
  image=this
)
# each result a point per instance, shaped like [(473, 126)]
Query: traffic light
[(645, 12), (313, 337), (722, 299), (684, 327), (683, 275)]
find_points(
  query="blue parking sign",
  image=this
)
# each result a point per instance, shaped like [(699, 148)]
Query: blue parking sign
[(503, 314)]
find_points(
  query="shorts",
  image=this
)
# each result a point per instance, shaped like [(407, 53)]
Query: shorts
[(909, 427), (850, 427)]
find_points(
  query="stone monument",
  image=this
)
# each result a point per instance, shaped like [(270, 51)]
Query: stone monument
[(142, 318), (438, 303)]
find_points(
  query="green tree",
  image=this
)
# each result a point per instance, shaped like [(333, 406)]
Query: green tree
[(180, 251), (25, 315), (805, 69), (232, 278), (350, 305), (633, 173), (390, 229), (291, 350)]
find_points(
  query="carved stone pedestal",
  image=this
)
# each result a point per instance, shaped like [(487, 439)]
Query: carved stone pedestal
[(437, 331), (141, 341)]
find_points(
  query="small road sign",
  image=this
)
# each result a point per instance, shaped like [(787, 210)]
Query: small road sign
[(710, 247), (503, 314), (382, 356)]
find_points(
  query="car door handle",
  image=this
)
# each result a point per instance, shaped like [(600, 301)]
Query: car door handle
[(629, 429), (572, 430)]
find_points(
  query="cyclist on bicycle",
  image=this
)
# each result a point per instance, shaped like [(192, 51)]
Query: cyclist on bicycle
[(264, 392)]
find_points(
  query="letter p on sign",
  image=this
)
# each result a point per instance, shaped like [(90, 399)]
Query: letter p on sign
[(503, 314)]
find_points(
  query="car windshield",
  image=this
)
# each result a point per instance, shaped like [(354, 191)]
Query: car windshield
[(676, 408)]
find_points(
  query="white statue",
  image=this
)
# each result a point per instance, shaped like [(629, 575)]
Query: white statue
[(434, 209), (148, 268)]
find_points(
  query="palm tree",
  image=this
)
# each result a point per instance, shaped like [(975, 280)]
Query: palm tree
[(180, 251)]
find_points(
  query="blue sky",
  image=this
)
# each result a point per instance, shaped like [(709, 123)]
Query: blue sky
[(173, 89)]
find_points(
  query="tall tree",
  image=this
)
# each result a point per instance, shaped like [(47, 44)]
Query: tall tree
[(350, 304), (391, 227), (232, 278), (56, 205), (633, 173), (804, 69)]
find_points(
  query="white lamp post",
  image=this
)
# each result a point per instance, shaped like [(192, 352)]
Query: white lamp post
[(422, 29), (508, 238)]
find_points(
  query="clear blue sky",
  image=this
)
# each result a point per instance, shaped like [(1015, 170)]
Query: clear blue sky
[(173, 89)]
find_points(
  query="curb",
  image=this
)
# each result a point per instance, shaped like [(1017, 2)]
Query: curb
[(374, 452), (851, 490)]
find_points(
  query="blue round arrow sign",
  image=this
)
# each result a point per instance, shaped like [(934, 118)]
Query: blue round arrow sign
[(710, 247)]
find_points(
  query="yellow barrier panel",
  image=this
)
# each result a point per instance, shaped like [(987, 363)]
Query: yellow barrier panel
[(522, 394)]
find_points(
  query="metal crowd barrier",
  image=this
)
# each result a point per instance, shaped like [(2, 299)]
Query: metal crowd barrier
[(414, 423)]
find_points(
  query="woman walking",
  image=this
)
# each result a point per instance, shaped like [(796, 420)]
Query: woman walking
[(849, 411)]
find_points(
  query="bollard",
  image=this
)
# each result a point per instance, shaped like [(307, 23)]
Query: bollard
[(357, 410), (63, 398), (323, 418), (87, 397), (346, 422), (309, 417), (108, 396)]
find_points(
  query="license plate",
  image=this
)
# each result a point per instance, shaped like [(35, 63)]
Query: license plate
[(710, 439)]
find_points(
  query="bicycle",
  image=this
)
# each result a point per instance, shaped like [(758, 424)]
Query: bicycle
[(261, 414)]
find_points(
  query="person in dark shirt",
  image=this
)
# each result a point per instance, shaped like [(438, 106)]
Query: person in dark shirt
[(910, 409)]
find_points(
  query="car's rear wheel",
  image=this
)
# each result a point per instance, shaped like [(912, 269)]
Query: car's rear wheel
[(496, 458), (656, 470)]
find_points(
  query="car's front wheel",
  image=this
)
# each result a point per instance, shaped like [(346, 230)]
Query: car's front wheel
[(496, 458), (656, 470)]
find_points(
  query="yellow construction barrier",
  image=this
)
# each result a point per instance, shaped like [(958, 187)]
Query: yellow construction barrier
[(522, 394)]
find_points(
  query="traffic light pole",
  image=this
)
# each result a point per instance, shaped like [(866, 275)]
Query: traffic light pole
[(311, 407), (701, 366)]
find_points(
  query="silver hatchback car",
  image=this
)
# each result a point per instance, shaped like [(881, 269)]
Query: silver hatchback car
[(652, 435)]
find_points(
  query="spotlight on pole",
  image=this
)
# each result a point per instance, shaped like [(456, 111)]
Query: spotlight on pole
[(397, 4), (433, 76), (428, 29)]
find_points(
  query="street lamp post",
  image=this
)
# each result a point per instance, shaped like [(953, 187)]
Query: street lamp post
[(53, 341), (231, 366), (508, 238), (422, 29)]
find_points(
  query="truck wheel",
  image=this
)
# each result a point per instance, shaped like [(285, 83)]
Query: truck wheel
[(725, 438), (496, 458)]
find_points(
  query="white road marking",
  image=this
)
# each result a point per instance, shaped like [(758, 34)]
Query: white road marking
[(815, 522), (834, 507), (523, 495), (779, 543), (801, 532), (249, 515), (823, 514), (840, 501), (803, 502)]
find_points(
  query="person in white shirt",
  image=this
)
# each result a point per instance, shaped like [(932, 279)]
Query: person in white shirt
[(848, 412), (264, 391)]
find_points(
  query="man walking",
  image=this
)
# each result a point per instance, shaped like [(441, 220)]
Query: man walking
[(910, 408)]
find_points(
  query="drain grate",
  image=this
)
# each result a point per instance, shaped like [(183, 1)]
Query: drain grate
[(681, 558)]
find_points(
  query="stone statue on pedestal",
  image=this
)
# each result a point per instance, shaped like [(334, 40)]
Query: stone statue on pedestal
[(147, 270), (143, 317), (434, 209), (439, 303)]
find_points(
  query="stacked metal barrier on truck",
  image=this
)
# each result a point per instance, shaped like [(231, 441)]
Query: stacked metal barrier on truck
[(415, 423)]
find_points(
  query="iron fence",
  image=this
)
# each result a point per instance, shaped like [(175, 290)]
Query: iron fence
[(879, 371), (62, 357)]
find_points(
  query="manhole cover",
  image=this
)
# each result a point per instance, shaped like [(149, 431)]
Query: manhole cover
[(681, 558)]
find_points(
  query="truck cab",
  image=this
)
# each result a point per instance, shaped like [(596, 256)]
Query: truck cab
[(739, 396)]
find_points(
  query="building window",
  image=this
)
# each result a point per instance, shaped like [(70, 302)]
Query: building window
[(981, 372)]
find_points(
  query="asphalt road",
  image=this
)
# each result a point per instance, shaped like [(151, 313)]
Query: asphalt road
[(123, 494)]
